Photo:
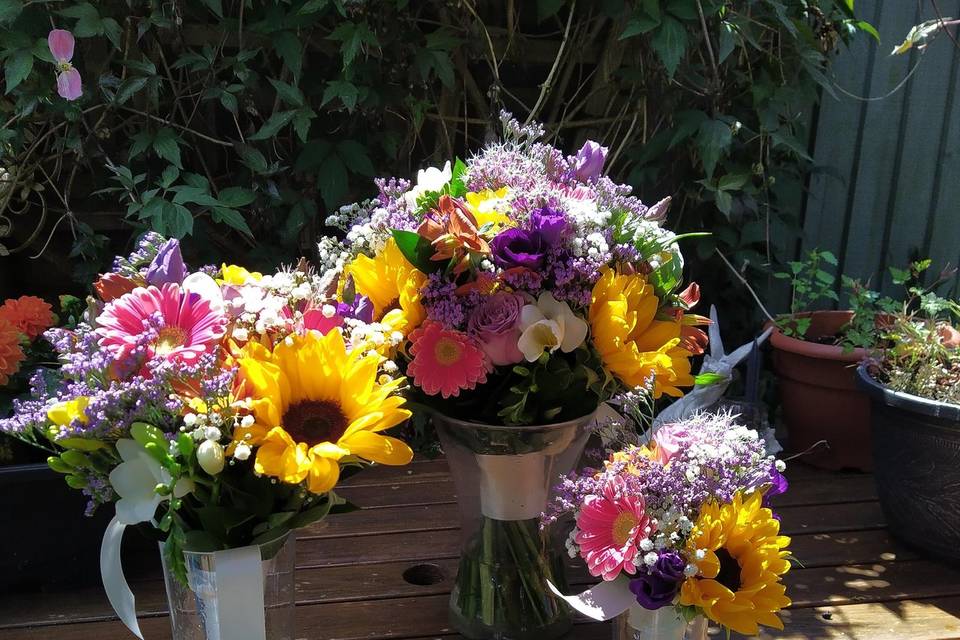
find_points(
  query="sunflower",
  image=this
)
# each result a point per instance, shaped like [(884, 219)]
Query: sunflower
[(314, 403), (393, 286), (739, 582), (632, 342)]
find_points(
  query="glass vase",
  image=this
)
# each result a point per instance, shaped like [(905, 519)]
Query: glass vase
[(662, 624), (221, 594), (504, 476)]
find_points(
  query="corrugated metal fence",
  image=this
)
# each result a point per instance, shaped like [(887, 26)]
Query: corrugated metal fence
[(887, 186)]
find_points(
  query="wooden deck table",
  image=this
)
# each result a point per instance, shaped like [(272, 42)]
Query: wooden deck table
[(385, 571)]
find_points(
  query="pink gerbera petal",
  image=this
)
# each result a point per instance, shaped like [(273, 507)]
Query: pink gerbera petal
[(61, 45), (445, 361), (166, 322), (609, 528)]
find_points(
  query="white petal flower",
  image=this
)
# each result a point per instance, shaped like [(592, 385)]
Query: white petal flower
[(549, 325), (431, 179), (135, 480), (206, 287)]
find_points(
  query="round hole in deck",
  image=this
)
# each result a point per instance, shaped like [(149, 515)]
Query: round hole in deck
[(424, 575)]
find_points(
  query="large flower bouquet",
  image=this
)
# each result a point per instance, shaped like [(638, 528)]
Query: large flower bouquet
[(519, 289), (217, 405), (683, 522)]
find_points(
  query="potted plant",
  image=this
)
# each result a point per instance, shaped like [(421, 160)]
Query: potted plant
[(815, 353), (914, 388)]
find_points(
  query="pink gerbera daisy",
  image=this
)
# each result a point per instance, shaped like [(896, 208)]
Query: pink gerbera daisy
[(610, 528), (445, 361), (168, 321)]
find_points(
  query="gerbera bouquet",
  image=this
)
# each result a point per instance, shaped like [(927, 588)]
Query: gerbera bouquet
[(683, 522), (217, 405), (522, 286)]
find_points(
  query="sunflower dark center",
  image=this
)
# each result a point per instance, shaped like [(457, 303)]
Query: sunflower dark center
[(315, 421), (729, 574)]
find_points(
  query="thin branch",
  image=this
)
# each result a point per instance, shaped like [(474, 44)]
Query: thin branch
[(202, 136), (548, 83), (746, 284)]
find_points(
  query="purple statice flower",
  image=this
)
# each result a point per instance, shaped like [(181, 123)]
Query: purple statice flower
[(529, 248), (657, 585), (587, 165), (167, 265), (98, 490), (616, 197), (442, 303), (146, 250)]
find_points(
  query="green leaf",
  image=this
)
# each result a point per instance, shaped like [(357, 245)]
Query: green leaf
[(782, 138), (301, 122), (733, 181), (9, 10), (129, 87), (332, 179), (231, 218), (457, 188), (354, 155), (713, 140), (289, 48), (252, 157), (724, 202), (145, 433), (274, 124), (683, 9), (352, 37), (187, 194), (288, 93), (346, 91), (185, 445), (726, 42), (547, 8), (167, 146), (670, 43), (863, 25), (234, 197), (173, 220), (312, 6), (169, 176), (216, 6), (17, 68), (707, 379), (638, 25), (417, 250)]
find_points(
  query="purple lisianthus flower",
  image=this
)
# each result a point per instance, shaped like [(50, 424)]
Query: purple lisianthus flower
[(658, 586), (778, 486), (529, 247), (167, 266), (495, 325), (588, 163), (360, 309)]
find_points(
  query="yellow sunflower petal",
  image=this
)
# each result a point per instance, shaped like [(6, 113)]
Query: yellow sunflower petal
[(378, 448), (323, 474)]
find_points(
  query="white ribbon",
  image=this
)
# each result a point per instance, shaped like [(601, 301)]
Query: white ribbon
[(111, 571), (604, 602), (237, 600)]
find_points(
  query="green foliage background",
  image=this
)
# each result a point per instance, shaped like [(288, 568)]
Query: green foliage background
[(243, 123)]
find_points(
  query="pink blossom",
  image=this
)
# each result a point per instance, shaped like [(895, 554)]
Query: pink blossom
[(611, 526), (669, 440), (61, 44)]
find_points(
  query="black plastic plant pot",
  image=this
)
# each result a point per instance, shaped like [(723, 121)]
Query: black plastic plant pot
[(48, 542), (916, 451)]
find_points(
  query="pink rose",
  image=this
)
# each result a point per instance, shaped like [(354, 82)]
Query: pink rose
[(494, 325), (669, 440)]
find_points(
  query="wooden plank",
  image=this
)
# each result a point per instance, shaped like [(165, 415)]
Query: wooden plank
[(417, 471), (935, 619), (401, 494), (366, 522)]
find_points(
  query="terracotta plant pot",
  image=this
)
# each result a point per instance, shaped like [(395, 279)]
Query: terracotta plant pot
[(916, 445), (820, 396)]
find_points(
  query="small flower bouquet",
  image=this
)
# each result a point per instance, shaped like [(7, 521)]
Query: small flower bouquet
[(681, 527), (217, 405), (517, 291)]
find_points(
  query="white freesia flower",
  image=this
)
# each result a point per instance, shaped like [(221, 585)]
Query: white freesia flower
[(431, 179), (206, 287), (549, 325), (135, 480)]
